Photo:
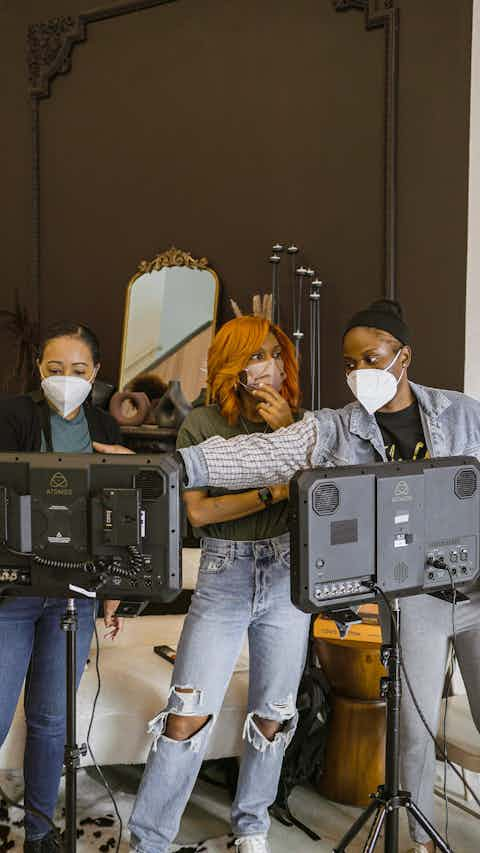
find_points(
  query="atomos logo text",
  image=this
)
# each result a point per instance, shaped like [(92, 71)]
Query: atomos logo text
[(58, 485), (401, 489)]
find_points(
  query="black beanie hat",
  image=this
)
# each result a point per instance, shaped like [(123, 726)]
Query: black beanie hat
[(384, 314)]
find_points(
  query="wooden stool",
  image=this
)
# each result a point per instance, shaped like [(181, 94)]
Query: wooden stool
[(355, 750)]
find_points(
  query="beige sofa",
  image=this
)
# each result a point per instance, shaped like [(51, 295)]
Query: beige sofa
[(135, 686)]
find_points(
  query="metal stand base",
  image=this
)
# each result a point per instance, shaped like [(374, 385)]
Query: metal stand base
[(381, 808), (389, 799), (73, 753)]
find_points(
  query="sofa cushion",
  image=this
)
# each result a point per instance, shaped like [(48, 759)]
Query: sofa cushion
[(135, 686)]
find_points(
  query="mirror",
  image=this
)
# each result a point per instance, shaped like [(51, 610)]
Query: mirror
[(169, 321)]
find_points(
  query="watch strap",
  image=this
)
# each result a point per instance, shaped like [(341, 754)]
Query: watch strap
[(265, 496)]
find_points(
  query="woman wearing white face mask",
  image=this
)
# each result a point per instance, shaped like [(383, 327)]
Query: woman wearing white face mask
[(59, 418), (391, 419)]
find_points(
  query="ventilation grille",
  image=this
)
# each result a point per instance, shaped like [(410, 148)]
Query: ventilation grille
[(151, 483), (465, 483), (400, 572), (325, 499)]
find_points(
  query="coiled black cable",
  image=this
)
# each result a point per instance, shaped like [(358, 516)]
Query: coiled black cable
[(136, 559), (85, 566)]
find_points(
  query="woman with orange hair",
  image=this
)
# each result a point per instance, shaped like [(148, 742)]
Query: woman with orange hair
[(243, 588)]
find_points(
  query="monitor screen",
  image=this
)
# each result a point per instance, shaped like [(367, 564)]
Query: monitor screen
[(401, 528), (102, 525)]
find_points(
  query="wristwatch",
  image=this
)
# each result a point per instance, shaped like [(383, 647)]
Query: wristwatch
[(265, 496)]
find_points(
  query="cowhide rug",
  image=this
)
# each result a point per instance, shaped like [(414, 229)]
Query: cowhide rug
[(97, 827)]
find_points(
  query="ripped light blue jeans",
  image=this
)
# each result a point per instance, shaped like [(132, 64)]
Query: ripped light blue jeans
[(243, 587)]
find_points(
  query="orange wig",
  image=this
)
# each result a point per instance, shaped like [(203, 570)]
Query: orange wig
[(229, 354)]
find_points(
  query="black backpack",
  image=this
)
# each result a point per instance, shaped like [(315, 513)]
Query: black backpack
[(304, 757)]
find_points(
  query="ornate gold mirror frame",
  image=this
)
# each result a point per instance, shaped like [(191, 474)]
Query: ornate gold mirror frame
[(171, 362)]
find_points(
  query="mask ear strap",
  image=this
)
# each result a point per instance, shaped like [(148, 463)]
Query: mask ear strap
[(394, 360)]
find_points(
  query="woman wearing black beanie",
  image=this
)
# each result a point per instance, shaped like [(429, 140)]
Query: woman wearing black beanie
[(391, 419)]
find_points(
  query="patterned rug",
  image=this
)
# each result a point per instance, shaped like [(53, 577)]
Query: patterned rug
[(97, 827)]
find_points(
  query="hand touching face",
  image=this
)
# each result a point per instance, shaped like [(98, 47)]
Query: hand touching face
[(272, 407)]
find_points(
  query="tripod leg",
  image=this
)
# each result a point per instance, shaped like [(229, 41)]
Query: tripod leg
[(392, 746), (357, 826), (428, 827), (375, 831)]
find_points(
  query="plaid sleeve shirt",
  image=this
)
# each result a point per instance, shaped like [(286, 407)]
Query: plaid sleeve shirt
[(248, 461)]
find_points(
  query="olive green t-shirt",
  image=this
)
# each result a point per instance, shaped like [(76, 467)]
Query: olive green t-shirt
[(203, 423)]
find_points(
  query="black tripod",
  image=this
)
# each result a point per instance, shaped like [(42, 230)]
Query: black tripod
[(73, 753), (386, 803)]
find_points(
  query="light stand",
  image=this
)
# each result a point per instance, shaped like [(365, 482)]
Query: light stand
[(389, 798), (76, 524), (384, 531), (73, 753)]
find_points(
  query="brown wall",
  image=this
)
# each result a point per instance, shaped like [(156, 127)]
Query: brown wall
[(222, 126)]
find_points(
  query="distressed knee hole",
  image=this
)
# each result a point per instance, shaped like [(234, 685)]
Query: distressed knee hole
[(274, 730), (179, 722), (268, 728), (183, 728)]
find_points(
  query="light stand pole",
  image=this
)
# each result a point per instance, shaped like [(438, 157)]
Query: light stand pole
[(298, 335), (388, 799), (73, 753), (292, 251), (275, 259), (315, 343)]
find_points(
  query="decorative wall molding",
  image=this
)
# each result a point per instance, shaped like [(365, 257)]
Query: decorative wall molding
[(49, 48), (49, 53), (50, 43), (386, 14)]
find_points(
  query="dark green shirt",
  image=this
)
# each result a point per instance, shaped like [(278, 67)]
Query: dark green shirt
[(203, 423)]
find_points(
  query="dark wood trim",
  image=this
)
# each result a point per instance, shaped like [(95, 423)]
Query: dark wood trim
[(49, 52), (385, 13)]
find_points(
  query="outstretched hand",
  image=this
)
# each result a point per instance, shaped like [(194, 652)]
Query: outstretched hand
[(110, 448), (272, 407)]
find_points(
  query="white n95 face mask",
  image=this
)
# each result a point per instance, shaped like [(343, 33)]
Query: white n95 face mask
[(66, 393), (374, 388)]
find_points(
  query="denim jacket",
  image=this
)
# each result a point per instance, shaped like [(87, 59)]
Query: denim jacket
[(330, 437)]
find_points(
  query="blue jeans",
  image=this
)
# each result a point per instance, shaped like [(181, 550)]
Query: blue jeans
[(243, 587), (32, 645)]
